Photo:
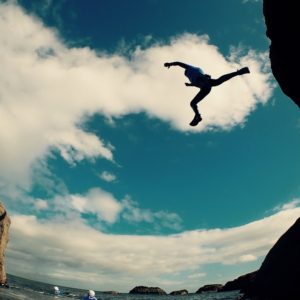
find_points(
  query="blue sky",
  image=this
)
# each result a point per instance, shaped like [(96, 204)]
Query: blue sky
[(97, 155)]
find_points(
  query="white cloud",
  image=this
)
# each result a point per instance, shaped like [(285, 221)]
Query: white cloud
[(251, 1), (107, 176), (40, 204), (48, 90), (247, 257), (72, 253), (96, 201), (110, 210), (133, 213), (289, 205), (294, 203), (104, 204)]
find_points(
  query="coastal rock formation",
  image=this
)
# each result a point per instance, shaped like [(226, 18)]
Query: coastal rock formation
[(279, 274), (147, 290), (4, 228), (180, 292), (241, 283), (283, 29), (210, 288)]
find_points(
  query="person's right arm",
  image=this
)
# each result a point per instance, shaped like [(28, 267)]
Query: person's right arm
[(176, 63)]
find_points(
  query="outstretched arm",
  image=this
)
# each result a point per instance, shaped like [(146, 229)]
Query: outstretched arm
[(176, 63), (189, 84)]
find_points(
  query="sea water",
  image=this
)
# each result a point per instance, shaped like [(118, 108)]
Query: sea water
[(23, 289)]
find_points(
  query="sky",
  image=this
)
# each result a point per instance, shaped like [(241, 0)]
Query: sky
[(107, 185)]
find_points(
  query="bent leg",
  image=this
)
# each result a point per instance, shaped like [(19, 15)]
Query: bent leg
[(201, 95)]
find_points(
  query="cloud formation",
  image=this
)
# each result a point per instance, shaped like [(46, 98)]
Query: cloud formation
[(107, 176), (48, 90), (102, 205), (73, 253)]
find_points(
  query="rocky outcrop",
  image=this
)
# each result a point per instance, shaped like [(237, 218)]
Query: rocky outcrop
[(241, 283), (147, 290), (210, 288), (283, 29), (279, 274), (180, 292), (4, 229)]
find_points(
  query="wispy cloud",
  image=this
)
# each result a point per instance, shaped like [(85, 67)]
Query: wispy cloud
[(40, 204), (289, 205), (107, 176), (250, 1), (96, 202), (107, 209), (133, 213)]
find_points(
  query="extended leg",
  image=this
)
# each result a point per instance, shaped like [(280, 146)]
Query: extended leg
[(223, 78)]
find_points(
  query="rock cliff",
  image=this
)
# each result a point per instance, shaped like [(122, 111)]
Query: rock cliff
[(4, 228), (147, 290), (241, 283), (279, 274), (283, 29), (180, 292), (210, 288)]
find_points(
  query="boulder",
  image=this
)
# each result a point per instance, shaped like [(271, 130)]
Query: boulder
[(241, 283), (279, 274), (147, 290), (180, 292), (283, 30), (210, 288), (4, 236)]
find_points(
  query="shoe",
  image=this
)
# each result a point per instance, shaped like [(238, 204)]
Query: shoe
[(244, 70), (196, 120)]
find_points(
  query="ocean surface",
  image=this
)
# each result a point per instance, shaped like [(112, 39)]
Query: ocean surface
[(24, 289)]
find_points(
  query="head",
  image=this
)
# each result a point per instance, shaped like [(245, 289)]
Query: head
[(56, 288), (91, 293)]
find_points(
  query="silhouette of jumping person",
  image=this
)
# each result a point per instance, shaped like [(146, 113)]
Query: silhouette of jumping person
[(203, 81)]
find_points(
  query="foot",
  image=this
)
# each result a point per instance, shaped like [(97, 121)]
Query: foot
[(196, 120), (244, 70)]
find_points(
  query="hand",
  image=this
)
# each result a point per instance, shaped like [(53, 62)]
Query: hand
[(167, 65)]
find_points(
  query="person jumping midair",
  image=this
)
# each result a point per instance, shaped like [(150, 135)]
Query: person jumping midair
[(204, 82)]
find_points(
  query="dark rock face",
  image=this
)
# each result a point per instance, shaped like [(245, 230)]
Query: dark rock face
[(279, 274), (283, 29), (180, 292), (4, 237), (210, 288), (241, 283), (147, 290)]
